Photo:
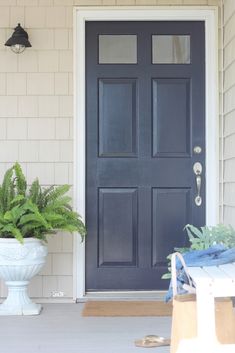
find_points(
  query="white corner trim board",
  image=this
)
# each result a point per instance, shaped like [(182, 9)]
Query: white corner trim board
[(140, 13)]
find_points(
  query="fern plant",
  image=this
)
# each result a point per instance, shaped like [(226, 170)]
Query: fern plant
[(37, 211)]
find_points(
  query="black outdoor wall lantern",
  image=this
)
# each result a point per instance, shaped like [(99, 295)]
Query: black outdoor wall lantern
[(19, 40)]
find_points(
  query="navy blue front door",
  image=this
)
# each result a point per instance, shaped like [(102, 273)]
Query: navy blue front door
[(145, 114)]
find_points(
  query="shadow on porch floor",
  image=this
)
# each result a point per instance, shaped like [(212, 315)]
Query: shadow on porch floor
[(61, 329)]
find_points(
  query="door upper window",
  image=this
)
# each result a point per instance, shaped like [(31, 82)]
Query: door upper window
[(117, 49), (170, 49)]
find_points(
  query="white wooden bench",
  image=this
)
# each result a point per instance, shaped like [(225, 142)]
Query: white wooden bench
[(211, 282)]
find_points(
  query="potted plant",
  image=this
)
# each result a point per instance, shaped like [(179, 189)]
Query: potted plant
[(27, 216), (203, 238)]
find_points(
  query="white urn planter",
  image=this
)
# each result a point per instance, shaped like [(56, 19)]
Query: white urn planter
[(18, 264)]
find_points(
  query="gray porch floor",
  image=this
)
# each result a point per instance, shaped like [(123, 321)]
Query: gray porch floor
[(61, 329)]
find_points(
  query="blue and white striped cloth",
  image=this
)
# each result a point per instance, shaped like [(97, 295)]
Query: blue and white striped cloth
[(213, 256)]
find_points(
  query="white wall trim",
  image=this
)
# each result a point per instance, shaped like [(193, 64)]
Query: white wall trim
[(221, 113), (143, 13)]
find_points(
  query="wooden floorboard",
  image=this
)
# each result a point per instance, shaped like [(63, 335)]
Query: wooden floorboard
[(61, 329)]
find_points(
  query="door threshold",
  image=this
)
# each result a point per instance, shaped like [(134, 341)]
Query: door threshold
[(124, 296)]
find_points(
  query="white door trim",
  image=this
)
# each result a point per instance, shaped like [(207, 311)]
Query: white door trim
[(142, 13)]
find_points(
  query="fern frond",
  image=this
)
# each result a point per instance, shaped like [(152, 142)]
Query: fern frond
[(57, 192), (40, 235), (20, 180), (30, 206), (53, 217), (7, 192), (47, 191), (17, 200), (60, 203), (1, 200), (11, 231), (35, 218), (17, 212), (29, 229), (34, 191)]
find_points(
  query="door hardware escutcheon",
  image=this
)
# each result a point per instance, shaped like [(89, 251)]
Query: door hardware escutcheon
[(197, 150), (197, 168)]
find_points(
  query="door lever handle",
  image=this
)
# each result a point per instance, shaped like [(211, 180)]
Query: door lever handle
[(197, 168)]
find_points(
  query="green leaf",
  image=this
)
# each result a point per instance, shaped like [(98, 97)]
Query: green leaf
[(166, 276), (57, 193), (8, 216), (15, 232), (21, 184), (16, 213), (192, 229), (37, 218), (17, 199), (34, 191), (53, 217), (7, 190)]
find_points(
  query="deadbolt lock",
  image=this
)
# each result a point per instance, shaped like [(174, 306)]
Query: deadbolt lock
[(197, 150)]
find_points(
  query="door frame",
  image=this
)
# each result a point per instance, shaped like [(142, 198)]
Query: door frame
[(208, 14)]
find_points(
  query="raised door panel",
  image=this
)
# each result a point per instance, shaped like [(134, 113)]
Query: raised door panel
[(171, 117), (171, 211), (117, 239), (117, 117)]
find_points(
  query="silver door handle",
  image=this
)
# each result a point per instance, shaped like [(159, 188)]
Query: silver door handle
[(197, 168)]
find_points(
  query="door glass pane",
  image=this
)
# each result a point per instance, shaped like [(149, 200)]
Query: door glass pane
[(117, 49), (170, 49)]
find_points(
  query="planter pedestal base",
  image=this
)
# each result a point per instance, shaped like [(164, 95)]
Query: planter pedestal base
[(18, 301), (18, 264), (34, 309)]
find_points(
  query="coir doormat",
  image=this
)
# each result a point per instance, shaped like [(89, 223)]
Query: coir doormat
[(127, 308)]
